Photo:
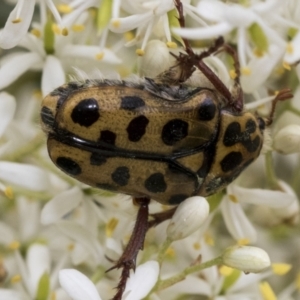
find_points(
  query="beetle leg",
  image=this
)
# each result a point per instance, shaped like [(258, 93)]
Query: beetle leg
[(161, 217), (191, 59), (136, 243), (282, 95)]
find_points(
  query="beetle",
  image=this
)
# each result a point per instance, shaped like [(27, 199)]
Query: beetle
[(156, 138), (147, 139)]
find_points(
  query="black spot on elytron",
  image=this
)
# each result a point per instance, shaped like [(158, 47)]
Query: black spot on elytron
[(155, 183), (47, 116), (97, 159), (177, 199), (252, 145), (132, 102), (231, 161), (137, 128), (108, 137), (174, 131), (105, 186), (68, 165), (232, 134), (250, 126), (121, 176), (86, 112), (207, 110)]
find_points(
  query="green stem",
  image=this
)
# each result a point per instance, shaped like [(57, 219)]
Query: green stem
[(270, 172), (294, 110), (163, 284), (162, 251)]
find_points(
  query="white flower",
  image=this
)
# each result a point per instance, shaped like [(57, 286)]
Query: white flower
[(19, 21), (234, 216), (140, 283), (148, 17), (189, 217), (257, 18), (246, 258)]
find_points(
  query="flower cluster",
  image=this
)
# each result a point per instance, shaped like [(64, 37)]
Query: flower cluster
[(58, 236)]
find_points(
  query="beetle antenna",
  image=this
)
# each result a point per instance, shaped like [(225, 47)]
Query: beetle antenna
[(282, 95)]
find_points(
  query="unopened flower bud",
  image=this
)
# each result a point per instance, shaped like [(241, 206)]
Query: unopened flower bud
[(189, 216), (156, 59), (287, 140), (246, 258)]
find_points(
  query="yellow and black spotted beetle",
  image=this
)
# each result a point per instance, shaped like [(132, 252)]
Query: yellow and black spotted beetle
[(156, 138)]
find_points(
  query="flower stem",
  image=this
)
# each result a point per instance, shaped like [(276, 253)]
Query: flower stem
[(270, 172), (163, 284)]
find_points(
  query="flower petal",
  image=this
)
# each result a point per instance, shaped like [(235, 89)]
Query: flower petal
[(27, 176), (61, 205), (16, 66), (82, 236), (236, 221), (212, 31), (7, 110), (53, 75), (275, 199), (38, 262), (77, 285), (17, 24), (142, 281)]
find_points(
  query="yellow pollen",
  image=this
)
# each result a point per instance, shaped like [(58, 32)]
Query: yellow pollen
[(35, 32), (171, 45), (289, 48), (16, 21), (56, 29), (140, 52), (225, 271), (232, 74), (243, 242), (15, 245), (78, 27), (99, 55), (209, 239), (65, 32), (298, 281), (71, 247), (9, 192), (64, 8), (286, 66), (258, 52), (16, 278), (111, 226), (281, 269), (233, 198), (280, 70), (38, 94), (116, 23), (170, 252), (246, 71), (197, 246), (128, 36), (53, 296), (266, 291)]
